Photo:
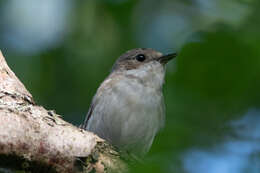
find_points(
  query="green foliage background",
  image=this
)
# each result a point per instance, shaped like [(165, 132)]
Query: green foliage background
[(214, 80)]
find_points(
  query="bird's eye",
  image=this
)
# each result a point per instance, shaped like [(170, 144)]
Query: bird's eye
[(140, 57)]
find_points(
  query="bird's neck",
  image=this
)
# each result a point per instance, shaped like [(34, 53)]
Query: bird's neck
[(150, 74)]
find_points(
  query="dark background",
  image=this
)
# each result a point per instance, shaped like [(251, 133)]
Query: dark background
[(63, 49)]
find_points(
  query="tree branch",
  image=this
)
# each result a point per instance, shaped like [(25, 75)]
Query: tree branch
[(34, 139)]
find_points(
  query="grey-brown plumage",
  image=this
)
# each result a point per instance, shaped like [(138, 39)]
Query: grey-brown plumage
[(128, 108)]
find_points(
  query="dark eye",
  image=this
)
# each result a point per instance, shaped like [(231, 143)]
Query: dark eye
[(140, 57)]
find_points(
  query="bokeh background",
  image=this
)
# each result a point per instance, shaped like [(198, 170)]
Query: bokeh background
[(63, 49)]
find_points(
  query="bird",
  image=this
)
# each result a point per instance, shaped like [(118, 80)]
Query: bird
[(128, 108)]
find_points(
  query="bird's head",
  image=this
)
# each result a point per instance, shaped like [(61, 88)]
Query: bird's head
[(137, 58)]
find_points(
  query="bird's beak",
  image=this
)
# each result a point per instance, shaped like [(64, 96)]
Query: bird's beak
[(166, 58)]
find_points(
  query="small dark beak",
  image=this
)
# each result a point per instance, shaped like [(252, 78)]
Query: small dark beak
[(166, 58)]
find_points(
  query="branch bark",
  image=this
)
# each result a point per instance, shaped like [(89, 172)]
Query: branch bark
[(34, 139)]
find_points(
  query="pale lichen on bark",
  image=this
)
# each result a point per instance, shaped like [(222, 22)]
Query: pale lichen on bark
[(34, 139)]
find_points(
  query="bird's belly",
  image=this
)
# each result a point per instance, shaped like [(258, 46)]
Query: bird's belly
[(129, 117), (138, 129), (136, 119)]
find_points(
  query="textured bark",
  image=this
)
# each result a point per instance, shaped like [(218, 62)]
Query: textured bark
[(34, 139)]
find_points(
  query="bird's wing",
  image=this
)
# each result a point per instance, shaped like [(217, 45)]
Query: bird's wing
[(94, 102), (90, 111), (162, 112)]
